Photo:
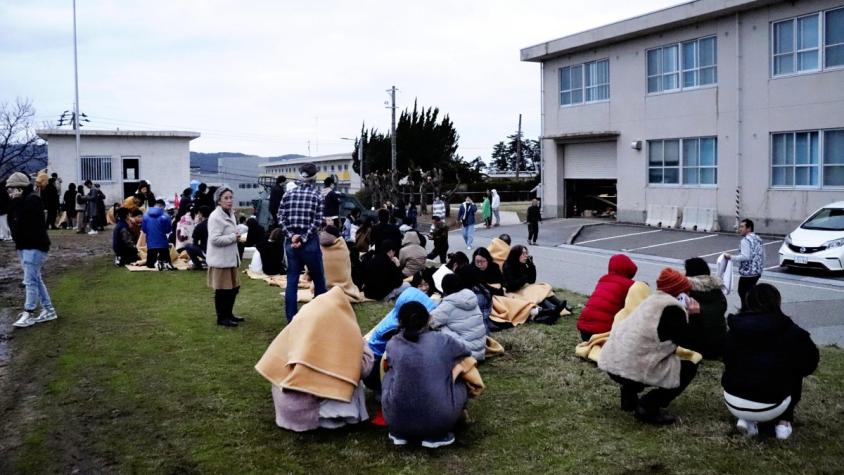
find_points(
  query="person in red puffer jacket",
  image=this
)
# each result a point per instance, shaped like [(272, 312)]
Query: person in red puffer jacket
[(608, 297)]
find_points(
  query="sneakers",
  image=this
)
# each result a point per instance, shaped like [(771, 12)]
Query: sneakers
[(46, 315), (93, 232), (436, 443), (25, 319), (397, 441), (783, 430), (748, 428)]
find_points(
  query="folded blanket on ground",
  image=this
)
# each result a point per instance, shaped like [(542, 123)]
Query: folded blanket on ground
[(338, 270), (492, 348), (510, 310), (319, 352)]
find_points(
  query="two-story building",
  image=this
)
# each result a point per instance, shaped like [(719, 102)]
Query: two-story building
[(338, 165), (736, 105)]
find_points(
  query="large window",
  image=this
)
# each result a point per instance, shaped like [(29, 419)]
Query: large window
[(95, 167), (812, 159), (588, 82), (692, 161), (683, 65), (808, 43)]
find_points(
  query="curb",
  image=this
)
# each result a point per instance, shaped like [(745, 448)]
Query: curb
[(576, 234)]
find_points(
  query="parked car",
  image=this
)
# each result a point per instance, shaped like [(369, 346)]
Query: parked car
[(818, 243)]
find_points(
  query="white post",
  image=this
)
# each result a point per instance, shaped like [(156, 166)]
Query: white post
[(76, 103)]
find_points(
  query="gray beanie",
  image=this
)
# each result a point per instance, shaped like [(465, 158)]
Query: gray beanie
[(218, 193), (17, 180)]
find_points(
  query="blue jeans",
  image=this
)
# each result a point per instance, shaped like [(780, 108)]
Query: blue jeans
[(32, 260), (309, 255), (469, 234)]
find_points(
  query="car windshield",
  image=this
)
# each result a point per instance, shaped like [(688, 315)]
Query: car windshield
[(827, 219)]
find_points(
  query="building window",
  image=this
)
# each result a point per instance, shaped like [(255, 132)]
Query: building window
[(588, 82), (807, 44), (95, 167), (692, 161), (812, 159), (683, 65)]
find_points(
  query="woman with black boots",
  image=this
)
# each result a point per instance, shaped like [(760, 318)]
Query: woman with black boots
[(519, 272), (222, 257)]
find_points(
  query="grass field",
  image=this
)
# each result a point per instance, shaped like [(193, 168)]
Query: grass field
[(135, 377)]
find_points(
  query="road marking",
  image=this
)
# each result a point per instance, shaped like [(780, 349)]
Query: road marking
[(773, 267), (669, 243), (616, 237), (733, 250)]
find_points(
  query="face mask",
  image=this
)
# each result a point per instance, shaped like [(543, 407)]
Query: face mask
[(14, 192)]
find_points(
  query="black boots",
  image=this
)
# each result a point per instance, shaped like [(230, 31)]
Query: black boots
[(550, 310), (232, 316), (223, 304), (653, 415)]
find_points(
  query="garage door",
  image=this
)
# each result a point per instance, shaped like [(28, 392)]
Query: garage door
[(589, 160)]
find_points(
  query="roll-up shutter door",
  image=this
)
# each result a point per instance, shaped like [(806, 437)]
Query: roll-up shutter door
[(590, 160)]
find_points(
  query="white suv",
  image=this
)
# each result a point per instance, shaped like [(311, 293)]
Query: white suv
[(818, 243)]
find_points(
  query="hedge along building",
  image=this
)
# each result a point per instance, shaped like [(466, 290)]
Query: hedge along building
[(734, 105), (119, 159)]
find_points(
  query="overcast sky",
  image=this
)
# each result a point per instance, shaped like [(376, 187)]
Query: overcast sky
[(267, 77)]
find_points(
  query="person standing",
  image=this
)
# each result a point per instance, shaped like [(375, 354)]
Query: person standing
[(331, 202), (438, 208), (79, 203), (466, 216), (50, 197), (486, 211), (5, 233), (276, 193), (751, 260), (223, 258), (29, 231), (534, 216), (496, 206), (300, 217), (439, 235), (156, 226), (69, 205)]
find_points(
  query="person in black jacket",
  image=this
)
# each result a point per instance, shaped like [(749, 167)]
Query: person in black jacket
[(765, 360), (276, 194), (145, 195), (519, 271), (709, 328), (5, 233), (383, 277), (272, 253), (50, 197), (534, 216), (70, 206), (196, 250), (384, 230), (331, 200), (29, 231), (256, 233), (439, 235), (122, 242)]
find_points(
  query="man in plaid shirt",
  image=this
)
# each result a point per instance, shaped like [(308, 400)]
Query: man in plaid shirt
[(300, 218)]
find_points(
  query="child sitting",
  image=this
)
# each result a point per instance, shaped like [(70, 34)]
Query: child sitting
[(458, 315)]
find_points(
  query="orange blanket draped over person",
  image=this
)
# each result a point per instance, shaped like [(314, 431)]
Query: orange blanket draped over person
[(499, 250), (319, 352), (338, 270)]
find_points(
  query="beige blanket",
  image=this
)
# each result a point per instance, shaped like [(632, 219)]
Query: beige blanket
[(499, 250), (338, 270), (534, 293), (510, 310)]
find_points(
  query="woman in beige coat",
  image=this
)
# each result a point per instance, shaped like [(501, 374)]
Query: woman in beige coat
[(223, 258)]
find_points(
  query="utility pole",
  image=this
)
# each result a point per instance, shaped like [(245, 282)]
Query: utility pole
[(392, 92), (519, 147), (76, 87)]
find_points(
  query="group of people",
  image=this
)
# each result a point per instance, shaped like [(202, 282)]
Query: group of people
[(643, 338)]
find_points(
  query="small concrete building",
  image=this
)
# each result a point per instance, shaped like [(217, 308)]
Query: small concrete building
[(240, 173), (338, 165), (119, 159), (732, 105)]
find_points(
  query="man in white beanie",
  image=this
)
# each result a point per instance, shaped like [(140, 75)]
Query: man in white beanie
[(29, 231)]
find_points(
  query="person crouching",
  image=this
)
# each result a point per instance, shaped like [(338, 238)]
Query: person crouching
[(641, 350), (156, 226)]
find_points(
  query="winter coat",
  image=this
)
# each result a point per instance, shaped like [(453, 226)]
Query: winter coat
[(438, 208), (412, 255), (496, 200), (764, 355), (419, 396), (92, 207), (534, 215), (200, 235), (439, 234), (466, 214), (184, 231), (384, 231), (50, 197), (518, 275), (276, 193), (156, 225), (709, 327), (608, 297), (382, 275), (332, 204), (69, 202), (27, 222), (222, 240), (458, 315), (486, 209), (121, 240), (80, 201), (377, 338)]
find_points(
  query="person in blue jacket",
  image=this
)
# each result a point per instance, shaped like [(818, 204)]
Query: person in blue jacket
[(466, 217), (387, 327), (156, 226)]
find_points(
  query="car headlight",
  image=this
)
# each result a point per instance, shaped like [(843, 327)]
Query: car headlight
[(788, 238), (834, 243)]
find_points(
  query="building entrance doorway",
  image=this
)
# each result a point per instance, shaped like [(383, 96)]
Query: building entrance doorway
[(131, 175), (591, 198)]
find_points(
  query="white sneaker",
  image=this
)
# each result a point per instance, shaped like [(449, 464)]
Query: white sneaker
[(397, 440), (25, 319), (748, 428), (46, 315), (92, 232), (783, 430), (436, 443)]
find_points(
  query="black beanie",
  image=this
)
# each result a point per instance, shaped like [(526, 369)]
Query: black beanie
[(696, 266)]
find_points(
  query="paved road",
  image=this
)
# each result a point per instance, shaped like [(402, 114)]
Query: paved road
[(815, 303)]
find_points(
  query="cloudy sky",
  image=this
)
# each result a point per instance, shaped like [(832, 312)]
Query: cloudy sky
[(270, 77)]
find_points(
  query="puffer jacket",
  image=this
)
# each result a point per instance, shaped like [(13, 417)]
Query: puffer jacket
[(608, 297), (222, 240), (458, 315), (709, 327), (764, 355), (377, 338), (156, 225), (412, 255), (26, 221)]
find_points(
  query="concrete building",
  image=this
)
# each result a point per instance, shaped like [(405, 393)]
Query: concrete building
[(240, 173), (736, 105), (338, 165), (119, 159)]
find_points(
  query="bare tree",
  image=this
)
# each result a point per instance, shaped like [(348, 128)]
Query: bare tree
[(18, 142)]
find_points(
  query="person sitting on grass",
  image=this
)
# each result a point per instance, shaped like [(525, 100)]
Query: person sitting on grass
[(272, 253), (383, 278), (607, 298), (765, 360), (641, 350), (489, 273), (412, 256), (420, 398), (458, 315), (184, 229), (424, 281), (384, 229), (520, 273), (122, 242), (456, 260), (710, 326), (156, 226)]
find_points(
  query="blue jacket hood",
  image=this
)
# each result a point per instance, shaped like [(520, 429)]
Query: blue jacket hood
[(391, 321)]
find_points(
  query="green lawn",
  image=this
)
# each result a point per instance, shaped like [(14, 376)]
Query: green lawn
[(135, 377)]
